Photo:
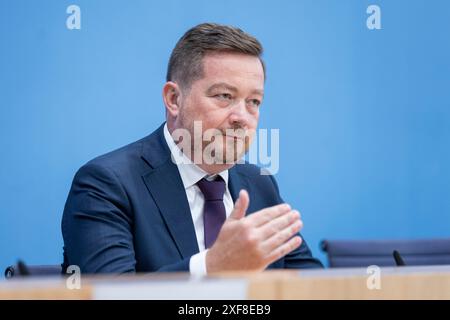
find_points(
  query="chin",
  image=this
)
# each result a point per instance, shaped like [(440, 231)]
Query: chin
[(216, 168)]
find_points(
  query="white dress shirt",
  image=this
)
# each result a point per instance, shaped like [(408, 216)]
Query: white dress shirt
[(190, 174)]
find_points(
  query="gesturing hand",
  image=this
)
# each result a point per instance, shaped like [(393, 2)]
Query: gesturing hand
[(255, 241)]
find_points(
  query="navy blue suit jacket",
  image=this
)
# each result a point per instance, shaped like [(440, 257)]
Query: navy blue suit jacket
[(127, 211)]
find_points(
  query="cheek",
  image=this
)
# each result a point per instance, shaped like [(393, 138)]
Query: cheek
[(191, 111), (213, 116), (199, 108), (253, 122)]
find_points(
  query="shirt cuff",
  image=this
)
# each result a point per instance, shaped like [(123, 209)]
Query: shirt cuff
[(197, 264)]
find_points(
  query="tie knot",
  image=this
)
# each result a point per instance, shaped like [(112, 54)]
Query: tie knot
[(212, 190)]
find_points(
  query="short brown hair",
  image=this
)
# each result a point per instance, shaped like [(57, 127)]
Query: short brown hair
[(185, 64)]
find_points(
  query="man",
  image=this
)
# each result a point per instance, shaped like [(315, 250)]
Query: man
[(165, 204)]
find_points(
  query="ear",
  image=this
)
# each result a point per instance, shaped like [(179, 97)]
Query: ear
[(172, 97)]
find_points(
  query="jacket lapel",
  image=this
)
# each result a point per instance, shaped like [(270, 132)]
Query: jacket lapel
[(166, 187)]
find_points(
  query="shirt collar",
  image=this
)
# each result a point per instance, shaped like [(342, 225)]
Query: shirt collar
[(190, 173)]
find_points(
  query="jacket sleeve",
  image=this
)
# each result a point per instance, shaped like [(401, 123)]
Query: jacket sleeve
[(97, 225)]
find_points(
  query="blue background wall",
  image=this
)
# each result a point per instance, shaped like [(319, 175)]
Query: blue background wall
[(364, 116)]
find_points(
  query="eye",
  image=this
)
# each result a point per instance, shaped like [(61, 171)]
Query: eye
[(224, 96), (255, 102)]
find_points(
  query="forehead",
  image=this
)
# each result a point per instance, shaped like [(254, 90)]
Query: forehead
[(237, 69)]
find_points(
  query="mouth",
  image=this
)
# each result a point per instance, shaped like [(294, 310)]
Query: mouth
[(234, 137)]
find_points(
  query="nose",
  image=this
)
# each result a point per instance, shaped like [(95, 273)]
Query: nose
[(239, 116)]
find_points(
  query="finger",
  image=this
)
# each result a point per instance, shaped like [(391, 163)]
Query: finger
[(278, 224), (266, 215), (281, 237), (285, 249), (241, 205)]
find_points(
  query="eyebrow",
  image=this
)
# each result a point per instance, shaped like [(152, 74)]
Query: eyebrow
[(223, 85)]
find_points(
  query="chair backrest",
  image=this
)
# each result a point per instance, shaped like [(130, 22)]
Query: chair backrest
[(363, 253), (41, 270)]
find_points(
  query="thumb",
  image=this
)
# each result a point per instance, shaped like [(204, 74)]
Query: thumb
[(241, 205)]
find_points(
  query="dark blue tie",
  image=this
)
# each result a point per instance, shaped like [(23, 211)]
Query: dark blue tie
[(214, 211)]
